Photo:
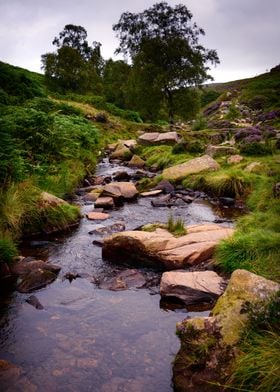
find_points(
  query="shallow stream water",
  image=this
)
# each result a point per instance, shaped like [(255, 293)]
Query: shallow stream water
[(87, 338)]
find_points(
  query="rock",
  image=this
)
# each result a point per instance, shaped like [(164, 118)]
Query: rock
[(33, 301), (163, 201), (122, 152), (192, 166), (71, 276), (130, 143), (104, 202), (254, 167), (136, 161), (121, 176), (165, 186), (27, 265), (151, 193), (124, 280), (97, 216), (235, 159), (152, 138), (162, 250), (126, 190), (115, 228), (92, 196), (196, 370), (215, 151), (192, 287), (47, 200), (35, 280), (9, 375)]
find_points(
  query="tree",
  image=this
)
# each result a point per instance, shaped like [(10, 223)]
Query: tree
[(75, 66), (115, 79), (163, 42)]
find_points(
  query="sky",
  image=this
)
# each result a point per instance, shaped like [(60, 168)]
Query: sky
[(245, 33)]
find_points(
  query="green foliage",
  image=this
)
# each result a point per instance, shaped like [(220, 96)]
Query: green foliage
[(229, 182), (161, 156), (115, 78), (233, 113), (164, 47), (176, 227), (75, 66), (208, 95), (18, 85), (199, 123), (257, 367), (51, 106), (256, 149), (7, 249)]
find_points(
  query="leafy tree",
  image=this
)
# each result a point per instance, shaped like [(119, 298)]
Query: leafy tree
[(75, 66), (115, 79), (163, 43)]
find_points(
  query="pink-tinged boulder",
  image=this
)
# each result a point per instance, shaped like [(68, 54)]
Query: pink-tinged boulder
[(152, 138), (97, 216), (160, 249), (235, 159), (192, 287), (104, 202), (125, 190), (193, 166)]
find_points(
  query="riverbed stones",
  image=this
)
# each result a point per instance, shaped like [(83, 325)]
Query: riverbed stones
[(165, 186), (137, 162), (153, 138), (125, 190), (196, 165), (160, 249), (192, 287), (122, 152), (220, 333), (97, 216), (104, 202), (28, 264), (131, 278), (220, 150), (35, 280), (153, 193)]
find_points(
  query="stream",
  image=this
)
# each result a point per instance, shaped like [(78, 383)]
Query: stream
[(87, 338)]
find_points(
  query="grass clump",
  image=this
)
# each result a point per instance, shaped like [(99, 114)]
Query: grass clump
[(228, 182), (176, 227), (7, 249), (257, 367)]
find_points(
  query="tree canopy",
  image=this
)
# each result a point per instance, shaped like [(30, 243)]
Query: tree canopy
[(75, 65), (164, 47)]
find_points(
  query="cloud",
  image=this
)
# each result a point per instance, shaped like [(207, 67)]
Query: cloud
[(244, 32)]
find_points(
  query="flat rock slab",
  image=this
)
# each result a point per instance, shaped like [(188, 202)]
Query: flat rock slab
[(104, 202), (151, 193), (192, 166), (151, 138), (97, 216), (160, 249), (35, 280), (127, 190), (27, 265), (192, 287), (124, 280)]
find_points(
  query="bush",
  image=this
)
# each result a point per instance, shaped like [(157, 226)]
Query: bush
[(254, 148), (200, 123), (7, 250)]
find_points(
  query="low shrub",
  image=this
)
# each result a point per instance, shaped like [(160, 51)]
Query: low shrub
[(253, 147)]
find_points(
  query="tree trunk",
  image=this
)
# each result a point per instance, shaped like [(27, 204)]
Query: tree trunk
[(169, 99)]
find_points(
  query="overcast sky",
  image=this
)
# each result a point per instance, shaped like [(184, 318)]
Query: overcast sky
[(245, 33)]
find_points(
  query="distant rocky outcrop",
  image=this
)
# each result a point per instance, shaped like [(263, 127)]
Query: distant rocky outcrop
[(152, 138)]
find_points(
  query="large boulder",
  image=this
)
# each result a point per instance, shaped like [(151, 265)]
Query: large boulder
[(35, 280), (125, 190), (192, 287), (202, 370), (152, 138), (121, 152), (48, 200), (193, 166), (27, 265), (160, 249), (215, 151)]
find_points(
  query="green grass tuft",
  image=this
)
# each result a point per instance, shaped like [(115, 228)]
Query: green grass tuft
[(176, 227)]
